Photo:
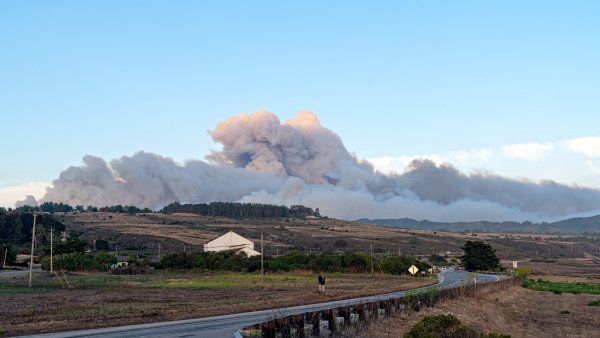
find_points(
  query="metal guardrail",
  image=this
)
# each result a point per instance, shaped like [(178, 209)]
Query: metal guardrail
[(329, 321)]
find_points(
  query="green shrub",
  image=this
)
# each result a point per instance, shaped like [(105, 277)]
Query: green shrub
[(543, 260), (438, 260), (446, 326), (523, 272), (595, 302), (440, 326), (71, 245), (79, 261), (398, 264), (11, 254), (413, 300), (565, 312), (102, 245), (560, 287), (326, 262)]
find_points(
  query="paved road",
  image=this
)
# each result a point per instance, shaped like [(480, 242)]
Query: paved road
[(227, 325), (18, 273)]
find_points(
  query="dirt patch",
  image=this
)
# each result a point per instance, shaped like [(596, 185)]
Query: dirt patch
[(581, 268), (516, 311)]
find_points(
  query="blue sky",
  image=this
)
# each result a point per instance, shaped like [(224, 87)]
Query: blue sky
[(402, 78)]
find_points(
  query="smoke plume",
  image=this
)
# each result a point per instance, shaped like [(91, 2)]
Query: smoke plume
[(302, 162)]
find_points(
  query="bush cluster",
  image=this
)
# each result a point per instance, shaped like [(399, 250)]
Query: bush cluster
[(80, 261), (8, 252), (446, 326), (209, 261), (560, 287), (326, 262), (414, 300)]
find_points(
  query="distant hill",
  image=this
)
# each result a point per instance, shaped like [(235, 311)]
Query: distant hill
[(577, 225)]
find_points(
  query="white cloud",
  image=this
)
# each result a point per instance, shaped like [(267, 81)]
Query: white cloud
[(566, 161), (10, 194), (593, 167), (589, 146), (528, 151), (471, 155), (390, 164)]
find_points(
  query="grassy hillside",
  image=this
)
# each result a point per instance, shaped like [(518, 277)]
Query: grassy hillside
[(144, 232), (578, 225)]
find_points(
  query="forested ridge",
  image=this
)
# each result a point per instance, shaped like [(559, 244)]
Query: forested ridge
[(222, 209), (15, 226), (52, 207), (234, 210)]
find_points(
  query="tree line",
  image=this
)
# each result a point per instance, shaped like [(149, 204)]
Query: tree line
[(15, 229), (52, 207), (241, 210), (16, 226), (222, 209), (71, 255), (326, 262)]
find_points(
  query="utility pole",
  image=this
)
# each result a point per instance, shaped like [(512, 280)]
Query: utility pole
[(372, 274), (158, 251), (51, 252), (4, 261), (262, 266), (32, 247)]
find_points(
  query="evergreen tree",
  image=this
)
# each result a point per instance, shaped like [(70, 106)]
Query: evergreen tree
[(11, 254), (479, 256), (102, 245)]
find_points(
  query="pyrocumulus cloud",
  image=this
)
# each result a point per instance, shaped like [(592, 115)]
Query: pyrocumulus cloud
[(302, 162)]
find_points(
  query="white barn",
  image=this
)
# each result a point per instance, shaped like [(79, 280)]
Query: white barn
[(232, 242)]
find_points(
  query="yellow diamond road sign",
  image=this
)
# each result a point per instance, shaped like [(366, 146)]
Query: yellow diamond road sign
[(413, 269)]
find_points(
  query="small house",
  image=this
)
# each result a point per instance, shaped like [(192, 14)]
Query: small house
[(122, 261)]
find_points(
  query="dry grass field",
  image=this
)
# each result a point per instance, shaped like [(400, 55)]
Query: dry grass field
[(584, 267), (99, 300), (516, 311), (176, 232)]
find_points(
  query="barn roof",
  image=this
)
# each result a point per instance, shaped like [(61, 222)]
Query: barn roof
[(232, 236)]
